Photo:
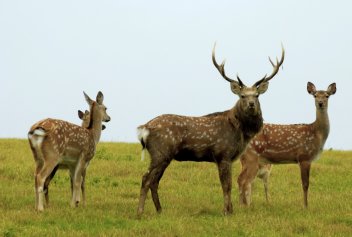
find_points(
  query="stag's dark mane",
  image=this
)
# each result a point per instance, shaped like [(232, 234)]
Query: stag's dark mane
[(250, 125)]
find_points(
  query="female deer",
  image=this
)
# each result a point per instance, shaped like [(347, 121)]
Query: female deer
[(283, 144), (56, 142)]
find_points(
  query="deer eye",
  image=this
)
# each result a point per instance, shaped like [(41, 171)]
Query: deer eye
[(242, 96), (327, 97), (257, 95)]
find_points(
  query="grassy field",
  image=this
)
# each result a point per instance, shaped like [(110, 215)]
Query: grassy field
[(190, 195)]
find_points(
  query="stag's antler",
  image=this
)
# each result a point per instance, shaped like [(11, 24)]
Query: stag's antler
[(275, 69), (221, 69)]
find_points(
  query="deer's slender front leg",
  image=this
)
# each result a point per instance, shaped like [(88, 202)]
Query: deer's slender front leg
[(264, 173), (225, 167), (305, 169), (250, 165), (77, 182)]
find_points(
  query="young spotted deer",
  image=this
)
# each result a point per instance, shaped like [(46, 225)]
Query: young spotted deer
[(85, 117), (56, 142), (218, 137), (284, 144)]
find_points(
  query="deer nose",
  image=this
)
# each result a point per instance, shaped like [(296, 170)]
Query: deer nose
[(251, 104), (320, 103)]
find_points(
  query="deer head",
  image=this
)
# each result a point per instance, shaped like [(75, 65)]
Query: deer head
[(321, 97), (249, 95), (97, 107), (85, 117)]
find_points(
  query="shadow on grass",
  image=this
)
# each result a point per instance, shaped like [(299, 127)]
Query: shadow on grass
[(204, 212)]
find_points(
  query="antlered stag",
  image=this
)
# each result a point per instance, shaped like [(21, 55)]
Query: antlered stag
[(285, 144), (56, 142), (218, 137)]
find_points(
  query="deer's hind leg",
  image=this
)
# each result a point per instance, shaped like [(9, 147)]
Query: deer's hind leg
[(39, 162), (154, 185), (39, 166), (51, 161), (46, 184), (83, 187), (151, 180)]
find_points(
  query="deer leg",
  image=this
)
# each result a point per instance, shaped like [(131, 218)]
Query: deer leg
[(305, 168), (72, 175), (77, 182), (266, 185), (146, 183), (245, 180), (224, 168), (246, 177), (39, 166), (155, 185), (46, 184), (83, 187), (41, 177), (143, 192), (264, 173)]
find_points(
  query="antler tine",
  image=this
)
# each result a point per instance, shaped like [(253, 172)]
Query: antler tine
[(277, 65), (272, 61), (239, 81), (221, 67), (260, 81)]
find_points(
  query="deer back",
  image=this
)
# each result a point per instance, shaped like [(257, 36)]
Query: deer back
[(296, 142), (63, 138), (205, 138), (287, 143)]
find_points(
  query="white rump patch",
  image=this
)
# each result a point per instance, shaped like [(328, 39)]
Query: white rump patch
[(37, 137), (39, 132), (142, 134)]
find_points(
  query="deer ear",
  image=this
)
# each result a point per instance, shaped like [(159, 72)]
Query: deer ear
[(332, 89), (262, 87), (89, 100), (311, 88), (236, 88), (100, 98), (80, 114)]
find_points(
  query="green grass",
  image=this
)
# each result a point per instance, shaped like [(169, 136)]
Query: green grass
[(190, 195)]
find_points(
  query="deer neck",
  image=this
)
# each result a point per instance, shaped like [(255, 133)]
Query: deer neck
[(95, 124), (250, 125), (321, 123)]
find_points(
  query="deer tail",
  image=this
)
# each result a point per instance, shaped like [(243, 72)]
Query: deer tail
[(143, 134), (36, 137)]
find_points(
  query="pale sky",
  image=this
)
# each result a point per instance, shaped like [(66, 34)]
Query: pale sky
[(154, 57)]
